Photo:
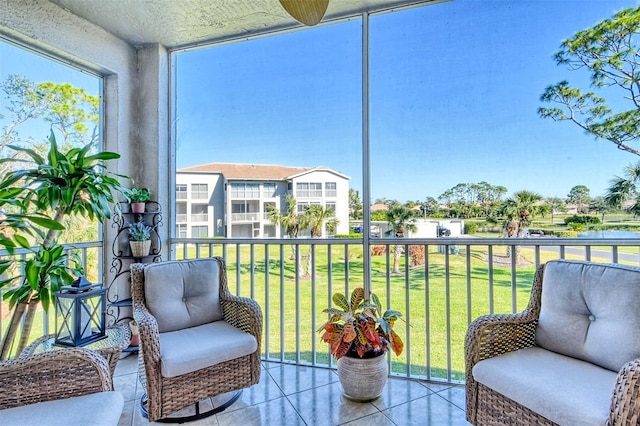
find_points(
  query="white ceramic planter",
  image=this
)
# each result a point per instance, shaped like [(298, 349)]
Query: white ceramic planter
[(363, 379)]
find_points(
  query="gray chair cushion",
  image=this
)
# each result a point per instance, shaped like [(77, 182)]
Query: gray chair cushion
[(99, 409), (565, 390), (589, 309), (195, 348), (182, 294)]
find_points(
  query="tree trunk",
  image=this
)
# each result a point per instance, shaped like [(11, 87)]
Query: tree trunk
[(517, 250), (32, 306), (52, 233), (397, 253), (307, 272), (10, 335), (299, 267)]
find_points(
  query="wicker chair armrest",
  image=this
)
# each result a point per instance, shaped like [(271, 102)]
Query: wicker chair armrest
[(149, 334), (625, 404), (496, 334), (243, 313), (53, 375), (147, 324)]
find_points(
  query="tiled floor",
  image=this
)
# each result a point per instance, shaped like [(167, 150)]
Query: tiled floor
[(291, 395)]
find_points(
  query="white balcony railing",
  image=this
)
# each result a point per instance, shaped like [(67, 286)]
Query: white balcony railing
[(200, 217), (199, 195), (245, 217), (181, 218), (440, 285), (91, 258)]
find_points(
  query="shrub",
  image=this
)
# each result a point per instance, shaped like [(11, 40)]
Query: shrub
[(470, 228), (584, 219), (564, 234), (378, 250), (416, 252), (576, 226), (350, 235)]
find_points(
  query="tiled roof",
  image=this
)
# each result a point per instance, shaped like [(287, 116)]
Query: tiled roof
[(247, 171), (377, 207)]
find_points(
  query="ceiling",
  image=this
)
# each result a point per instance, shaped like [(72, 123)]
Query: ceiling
[(186, 23)]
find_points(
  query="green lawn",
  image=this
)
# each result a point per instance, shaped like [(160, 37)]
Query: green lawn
[(435, 307)]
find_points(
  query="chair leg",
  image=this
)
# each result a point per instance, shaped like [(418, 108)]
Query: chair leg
[(197, 416)]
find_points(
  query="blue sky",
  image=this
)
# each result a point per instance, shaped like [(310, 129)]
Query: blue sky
[(18, 61), (455, 90)]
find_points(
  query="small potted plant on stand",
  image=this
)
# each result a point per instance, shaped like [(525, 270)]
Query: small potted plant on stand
[(137, 197), (359, 338), (140, 238)]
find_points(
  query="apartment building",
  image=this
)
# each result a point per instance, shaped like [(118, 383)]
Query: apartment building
[(229, 199)]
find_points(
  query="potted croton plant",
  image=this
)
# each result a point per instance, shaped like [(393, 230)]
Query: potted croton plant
[(359, 337)]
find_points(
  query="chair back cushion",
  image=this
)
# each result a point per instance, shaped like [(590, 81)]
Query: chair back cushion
[(182, 294), (590, 311)]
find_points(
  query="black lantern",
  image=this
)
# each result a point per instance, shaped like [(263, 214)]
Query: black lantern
[(80, 313)]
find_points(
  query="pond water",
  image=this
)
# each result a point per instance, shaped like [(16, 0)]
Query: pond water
[(609, 234)]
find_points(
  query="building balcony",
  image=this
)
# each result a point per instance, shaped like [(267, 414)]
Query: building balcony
[(200, 217), (439, 285), (245, 217)]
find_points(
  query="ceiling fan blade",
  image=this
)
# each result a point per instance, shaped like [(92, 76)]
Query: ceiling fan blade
[(308, 12)]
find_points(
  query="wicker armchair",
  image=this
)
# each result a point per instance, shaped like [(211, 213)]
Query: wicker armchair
[(187, 320), (74, 386), (502, 337)]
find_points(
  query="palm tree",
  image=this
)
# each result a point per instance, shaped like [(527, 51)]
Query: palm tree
[(319, 218), (518, 211), (291, 221), (555, 204), (316, 219), (520, 208), (399, 219), (623, 189)]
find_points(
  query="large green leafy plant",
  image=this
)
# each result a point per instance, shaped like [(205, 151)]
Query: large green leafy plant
[(14, 219), (356, 329), (41, 195)]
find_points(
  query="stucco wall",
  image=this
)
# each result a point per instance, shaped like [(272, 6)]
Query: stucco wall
[(215, 200), (135, 92)]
